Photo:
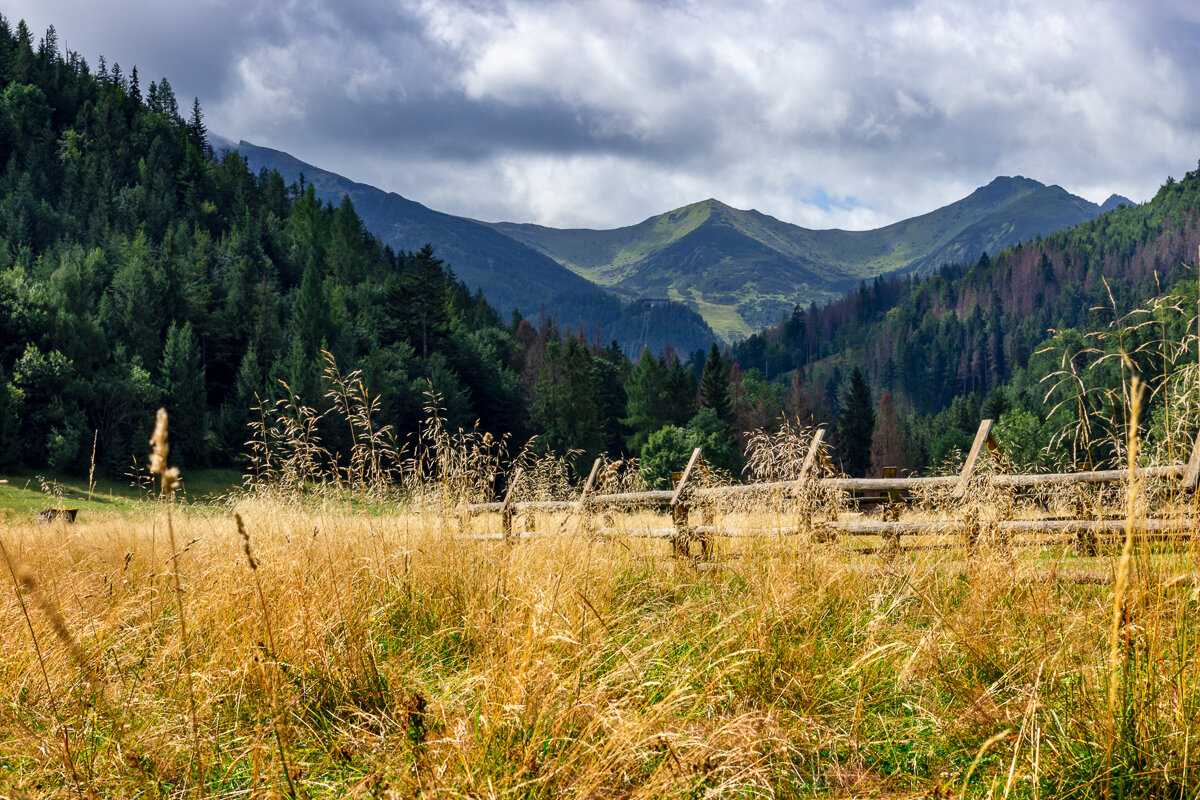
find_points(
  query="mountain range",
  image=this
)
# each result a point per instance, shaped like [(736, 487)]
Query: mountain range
[(743, 269), (738, 270)]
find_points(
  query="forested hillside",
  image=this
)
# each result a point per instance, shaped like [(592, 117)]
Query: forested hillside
[(508, 273), (741, 269), (979, 338), (138, 269)]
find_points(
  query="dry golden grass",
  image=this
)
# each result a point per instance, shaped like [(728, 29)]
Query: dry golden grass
[(391, 655), (344, 628)]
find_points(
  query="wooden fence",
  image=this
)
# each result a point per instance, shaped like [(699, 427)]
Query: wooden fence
[(684, 497)]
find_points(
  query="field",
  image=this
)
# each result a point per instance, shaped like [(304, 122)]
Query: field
[(319, 650)]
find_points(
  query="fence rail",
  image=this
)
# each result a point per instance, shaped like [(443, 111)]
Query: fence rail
[(681, 499)]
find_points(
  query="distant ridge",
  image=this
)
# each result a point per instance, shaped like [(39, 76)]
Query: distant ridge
[(743, 269), (509, 273), (739, 270)]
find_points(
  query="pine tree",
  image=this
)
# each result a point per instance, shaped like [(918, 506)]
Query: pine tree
[(856, 425), (183, 388), (681, 392), (197, 131), (714, 385), (612, 372), (647, 407), (312, 320), (565, 408), (425, 290)]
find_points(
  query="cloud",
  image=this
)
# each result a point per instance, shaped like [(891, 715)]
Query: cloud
[(847, 114)]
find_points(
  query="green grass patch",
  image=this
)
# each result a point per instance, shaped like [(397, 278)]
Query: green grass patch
[(25, 494)]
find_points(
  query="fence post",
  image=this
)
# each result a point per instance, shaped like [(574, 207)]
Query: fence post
[(681, 541), (811, 458), (581, 508), (1191, 474), (981, 437), (891, 513), (506, 510)]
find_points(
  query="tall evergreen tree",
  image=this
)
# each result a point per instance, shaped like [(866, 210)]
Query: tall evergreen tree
[(714, 385), (183, 389), (682, 389), (565, 408), (856, 425), (424, 284), (312, 321), (197, 131), (648, 404), (612, 371)]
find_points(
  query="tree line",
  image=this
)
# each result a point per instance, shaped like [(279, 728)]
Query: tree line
[(138, 268), (988, 339)]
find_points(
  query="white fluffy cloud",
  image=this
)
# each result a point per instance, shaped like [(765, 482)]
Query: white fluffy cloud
[(846, 114)]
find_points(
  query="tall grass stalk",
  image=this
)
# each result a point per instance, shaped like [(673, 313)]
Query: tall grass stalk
[(160, 449), (21, 577), (278, 720), (1120, 609)]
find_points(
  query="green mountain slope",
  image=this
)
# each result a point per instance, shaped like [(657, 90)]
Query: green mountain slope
[(994, 328), (509, 273), (744, 269)]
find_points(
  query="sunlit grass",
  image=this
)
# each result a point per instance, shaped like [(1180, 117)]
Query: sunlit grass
[(409, 657)]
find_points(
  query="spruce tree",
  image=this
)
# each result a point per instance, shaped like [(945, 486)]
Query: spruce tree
[(611, 371), (197, 131), (183, 388), (681, 392), (647, 404), (312, 320), (714, 385), (565, 408), (425, 292), (856, 425)]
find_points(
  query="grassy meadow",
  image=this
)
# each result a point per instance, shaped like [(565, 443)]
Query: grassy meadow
[(278, 644)]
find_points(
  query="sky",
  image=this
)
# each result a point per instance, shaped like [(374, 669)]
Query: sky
[(849, 114)]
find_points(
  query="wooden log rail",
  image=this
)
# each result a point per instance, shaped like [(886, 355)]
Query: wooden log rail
[(662, 499), (683, 496), (1080, 529)]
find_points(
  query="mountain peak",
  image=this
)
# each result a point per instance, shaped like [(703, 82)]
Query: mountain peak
[(1115, 201), (1004, 186)]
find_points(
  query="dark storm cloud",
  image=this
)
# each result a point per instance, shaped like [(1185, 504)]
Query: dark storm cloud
[(850, 114), (449, 127)]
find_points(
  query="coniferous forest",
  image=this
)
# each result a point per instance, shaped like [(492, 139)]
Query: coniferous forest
[(139, 269), (990, 339)]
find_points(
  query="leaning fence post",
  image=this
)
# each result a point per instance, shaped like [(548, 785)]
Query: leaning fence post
[(810, 458), (814, 455), (971, 524), (981, 436), (581, 504), (506, 509), (679, 508)]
